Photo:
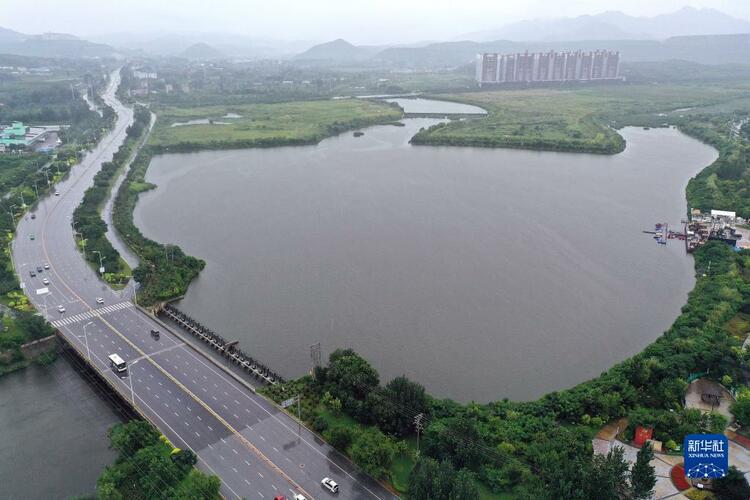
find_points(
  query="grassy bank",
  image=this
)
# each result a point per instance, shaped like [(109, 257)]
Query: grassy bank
[(17, 329), (578, 120), (264, 125)]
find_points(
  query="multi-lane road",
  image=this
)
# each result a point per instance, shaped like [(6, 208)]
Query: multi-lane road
[(256, 449)]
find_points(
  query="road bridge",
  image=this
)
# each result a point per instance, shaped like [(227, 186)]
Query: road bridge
[(253, 446)]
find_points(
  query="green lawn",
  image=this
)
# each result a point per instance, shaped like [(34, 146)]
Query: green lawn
[(266, 124)]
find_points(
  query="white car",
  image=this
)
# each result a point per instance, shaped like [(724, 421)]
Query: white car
[(99, 300), (330, 484), (45, 281), (46, 266), (61, 309), (299, 497), (57, 193)]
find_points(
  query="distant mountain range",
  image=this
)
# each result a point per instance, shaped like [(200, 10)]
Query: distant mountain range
[(704, 36), (614, 25), (338, 51), (228, 45), (50, 45), (202, 51), (705, 49)]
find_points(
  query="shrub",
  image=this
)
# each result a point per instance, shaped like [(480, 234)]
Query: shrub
[(340, 437), (320, 424)]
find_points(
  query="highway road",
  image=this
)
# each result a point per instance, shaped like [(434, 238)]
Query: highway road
[(238, 435)]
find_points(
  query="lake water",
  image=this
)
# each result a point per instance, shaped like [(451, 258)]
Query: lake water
[(54, 433), (481, 273), (430, 106)]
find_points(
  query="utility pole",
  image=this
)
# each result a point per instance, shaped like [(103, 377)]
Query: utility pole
[(419, 426), (299, 415), (315, 356)]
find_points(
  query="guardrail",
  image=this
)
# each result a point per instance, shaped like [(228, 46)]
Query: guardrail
[(226, 348)]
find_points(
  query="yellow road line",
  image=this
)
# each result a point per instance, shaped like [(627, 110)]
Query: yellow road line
[(226, 424)]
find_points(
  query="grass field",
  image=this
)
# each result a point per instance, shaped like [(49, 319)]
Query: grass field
[(300, 122), (568, 119)]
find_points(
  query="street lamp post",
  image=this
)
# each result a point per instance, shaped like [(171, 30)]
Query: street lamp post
[(83, 242), (36, 189), (86, 338), (101, 264)]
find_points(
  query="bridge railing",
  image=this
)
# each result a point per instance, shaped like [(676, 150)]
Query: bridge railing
[(228, 349)]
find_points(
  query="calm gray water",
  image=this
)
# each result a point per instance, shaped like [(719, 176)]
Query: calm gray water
[(481, 273), (426, 106), (54, 434)]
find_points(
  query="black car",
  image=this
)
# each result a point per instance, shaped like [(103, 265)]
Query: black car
[(32, 273), (155, 334), (39, 269), (33, 216)]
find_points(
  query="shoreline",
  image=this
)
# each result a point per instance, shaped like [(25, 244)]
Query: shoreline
[(663, 324)]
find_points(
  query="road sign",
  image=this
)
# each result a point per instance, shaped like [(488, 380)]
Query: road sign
[(289, 402), (101, 270)]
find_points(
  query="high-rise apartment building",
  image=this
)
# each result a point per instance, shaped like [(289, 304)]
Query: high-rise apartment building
[(547, 67)]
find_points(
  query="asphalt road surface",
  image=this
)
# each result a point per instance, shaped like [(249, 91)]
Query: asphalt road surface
[(238, 435)]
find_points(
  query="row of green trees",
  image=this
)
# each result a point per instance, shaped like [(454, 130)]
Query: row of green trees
[(725, 184), (87, 218), (147, 466)]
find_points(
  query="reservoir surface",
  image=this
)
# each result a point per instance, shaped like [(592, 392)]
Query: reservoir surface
[(481, 273), (430, 106), (54, 433)]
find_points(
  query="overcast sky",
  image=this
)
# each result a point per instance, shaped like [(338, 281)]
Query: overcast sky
[(359, 21)]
